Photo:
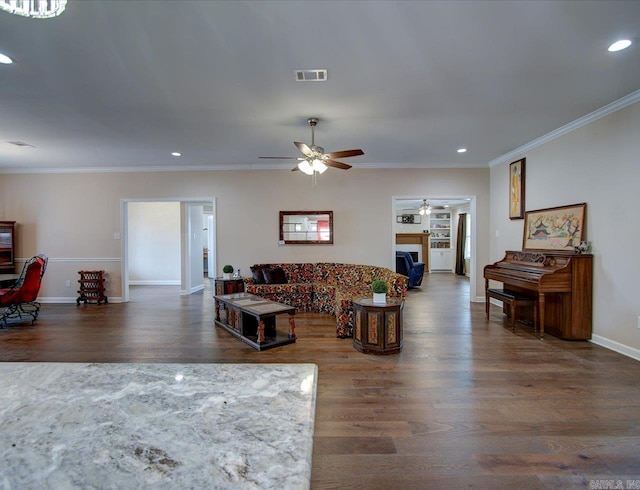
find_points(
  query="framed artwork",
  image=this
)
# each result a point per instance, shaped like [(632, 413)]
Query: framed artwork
[(516, 189), (411, 219), (560, 228)]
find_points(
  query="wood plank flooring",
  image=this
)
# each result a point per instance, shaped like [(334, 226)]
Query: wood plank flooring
[(467, 404)]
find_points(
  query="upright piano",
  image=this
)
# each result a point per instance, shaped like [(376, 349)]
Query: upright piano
[(562, 282)]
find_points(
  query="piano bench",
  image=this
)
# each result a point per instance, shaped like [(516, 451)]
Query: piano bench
[(513, 300)]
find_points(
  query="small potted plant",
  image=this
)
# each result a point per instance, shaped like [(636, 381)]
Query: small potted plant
[(380, 289), (227, 270)]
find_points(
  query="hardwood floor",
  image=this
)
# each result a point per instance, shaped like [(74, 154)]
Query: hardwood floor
[(467, 404)]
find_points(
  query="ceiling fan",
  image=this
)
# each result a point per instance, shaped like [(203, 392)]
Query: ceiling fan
[(315, 159)]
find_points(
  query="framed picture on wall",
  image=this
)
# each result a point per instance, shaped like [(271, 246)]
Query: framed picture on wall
[(410, 219), (559, 228), (516, 189)]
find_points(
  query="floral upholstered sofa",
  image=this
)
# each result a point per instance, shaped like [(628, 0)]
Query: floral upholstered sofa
[(322, 287)]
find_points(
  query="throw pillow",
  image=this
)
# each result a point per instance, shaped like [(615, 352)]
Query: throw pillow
[(274, 276), (258, 276)]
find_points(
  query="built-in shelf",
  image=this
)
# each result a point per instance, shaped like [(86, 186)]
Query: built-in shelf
[(440, 256)]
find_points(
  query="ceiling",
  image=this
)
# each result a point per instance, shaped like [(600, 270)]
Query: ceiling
[(121, 85)]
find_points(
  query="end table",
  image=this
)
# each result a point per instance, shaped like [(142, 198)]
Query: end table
[(378, 326), (228, 286)]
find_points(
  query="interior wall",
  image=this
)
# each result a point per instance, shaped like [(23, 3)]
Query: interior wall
[(596, 164), (154, 243), (63, 226)]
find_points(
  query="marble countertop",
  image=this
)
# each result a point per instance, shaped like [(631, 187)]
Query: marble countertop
[(173, 426)]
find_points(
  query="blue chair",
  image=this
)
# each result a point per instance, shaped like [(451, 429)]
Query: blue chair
[(407, 267)]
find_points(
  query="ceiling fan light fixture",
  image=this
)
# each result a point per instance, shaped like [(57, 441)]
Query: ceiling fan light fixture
[(305, 167), (319, 166), (425, 208)]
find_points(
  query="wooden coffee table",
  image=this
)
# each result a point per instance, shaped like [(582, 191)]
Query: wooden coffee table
[(252, 319)]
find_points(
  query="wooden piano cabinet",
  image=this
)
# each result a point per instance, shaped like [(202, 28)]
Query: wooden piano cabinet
[(567, 315)]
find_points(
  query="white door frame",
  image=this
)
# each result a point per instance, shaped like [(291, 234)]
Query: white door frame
[(185, 256), (474, 234)]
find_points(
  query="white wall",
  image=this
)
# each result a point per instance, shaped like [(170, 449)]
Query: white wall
[(154, 242), (597, 164), (247, 206)]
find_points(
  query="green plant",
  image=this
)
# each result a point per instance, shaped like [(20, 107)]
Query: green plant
[(227, 269), (379, 286)]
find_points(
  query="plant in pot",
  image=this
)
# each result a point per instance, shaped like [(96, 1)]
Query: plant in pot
[(227, 270), (380, 289)]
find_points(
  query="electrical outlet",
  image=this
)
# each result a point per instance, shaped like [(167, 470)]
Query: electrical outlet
[(68, 283)]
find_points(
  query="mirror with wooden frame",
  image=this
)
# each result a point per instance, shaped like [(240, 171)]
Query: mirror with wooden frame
[(306, 227)]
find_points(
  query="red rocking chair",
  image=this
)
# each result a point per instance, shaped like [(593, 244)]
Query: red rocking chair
[(20, 299)]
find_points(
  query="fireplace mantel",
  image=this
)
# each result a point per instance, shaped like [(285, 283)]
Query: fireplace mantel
[(416, 239)]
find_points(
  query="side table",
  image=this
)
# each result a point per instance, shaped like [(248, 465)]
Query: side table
[(228, 286), (378, 327)]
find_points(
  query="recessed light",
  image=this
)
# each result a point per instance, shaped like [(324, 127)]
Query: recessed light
[(5, 60), (176, 154), (620, 45), (462, 150)]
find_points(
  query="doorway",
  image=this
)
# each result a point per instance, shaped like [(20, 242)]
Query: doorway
[(188, 230), (438, 219)]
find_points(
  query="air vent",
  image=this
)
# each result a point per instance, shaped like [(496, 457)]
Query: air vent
[(311, 75), (20, 143)]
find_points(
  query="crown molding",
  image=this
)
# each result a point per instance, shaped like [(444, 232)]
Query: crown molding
[(614, 106), (227, 167)]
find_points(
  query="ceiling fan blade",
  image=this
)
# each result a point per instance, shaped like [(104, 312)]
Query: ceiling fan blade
[(294, 169), (281, 158), (345, 153), (303, 148), (332, 163)]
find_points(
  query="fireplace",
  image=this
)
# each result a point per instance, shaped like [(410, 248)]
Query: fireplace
[(417, 244), (414, 249)]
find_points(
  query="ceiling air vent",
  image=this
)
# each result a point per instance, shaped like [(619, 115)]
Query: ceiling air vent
[(311, 75), (20, 143)]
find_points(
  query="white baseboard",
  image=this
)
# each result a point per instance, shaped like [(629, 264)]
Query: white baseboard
[(616, 346), (155, 283), (192, 290), (603, 342)]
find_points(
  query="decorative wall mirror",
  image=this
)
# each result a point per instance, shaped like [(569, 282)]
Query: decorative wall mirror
[(306, 227)]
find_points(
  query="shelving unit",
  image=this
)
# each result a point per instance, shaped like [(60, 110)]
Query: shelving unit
[(91, 287), (7, 247), (440, 241)]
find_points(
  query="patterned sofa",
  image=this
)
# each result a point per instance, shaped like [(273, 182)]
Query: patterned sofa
[(323, 287)]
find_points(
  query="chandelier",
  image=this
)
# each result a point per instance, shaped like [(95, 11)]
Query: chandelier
[(425, 208), (37, 9)]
